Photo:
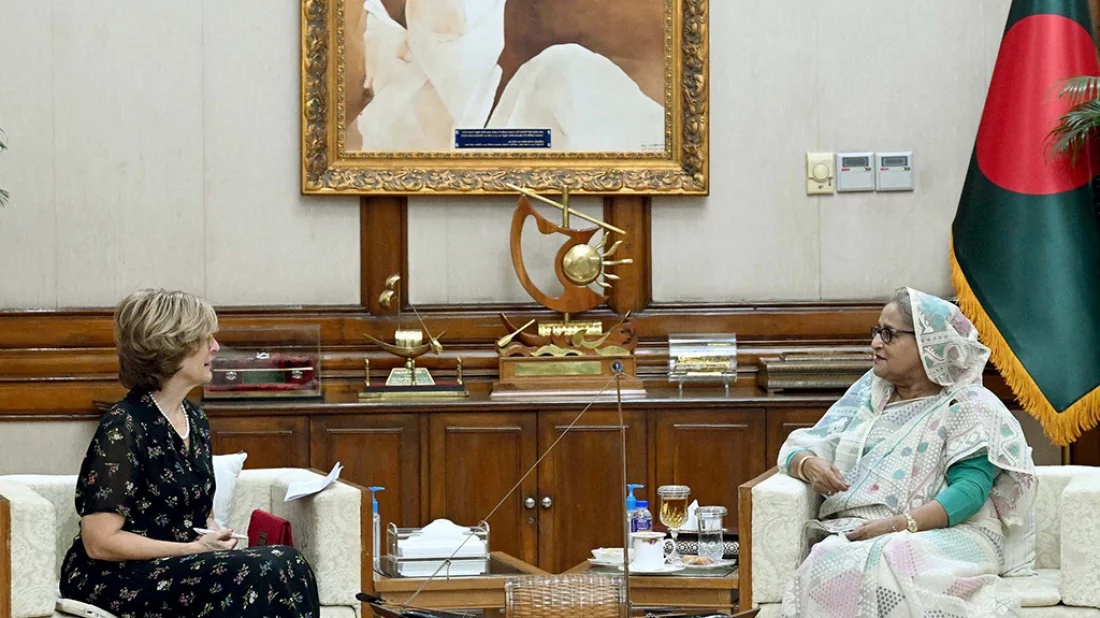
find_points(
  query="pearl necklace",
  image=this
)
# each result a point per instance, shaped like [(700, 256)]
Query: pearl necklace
[(183, 436)]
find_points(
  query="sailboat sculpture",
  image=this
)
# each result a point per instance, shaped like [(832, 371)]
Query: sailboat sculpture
[(410, 353)]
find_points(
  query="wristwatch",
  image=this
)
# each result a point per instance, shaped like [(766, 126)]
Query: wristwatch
[(912, 522)]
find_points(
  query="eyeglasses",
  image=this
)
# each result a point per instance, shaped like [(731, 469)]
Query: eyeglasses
[(887, 334)]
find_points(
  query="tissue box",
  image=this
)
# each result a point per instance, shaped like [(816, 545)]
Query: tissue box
[(421, 552)]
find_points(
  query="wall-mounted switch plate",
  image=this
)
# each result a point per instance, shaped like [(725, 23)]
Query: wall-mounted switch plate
[(820, 173)]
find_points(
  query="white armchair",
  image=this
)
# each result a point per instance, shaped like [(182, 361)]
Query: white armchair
[(774, 508), (38, 522)]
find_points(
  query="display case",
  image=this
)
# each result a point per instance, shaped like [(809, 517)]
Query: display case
[(702, 358), (263, 363)]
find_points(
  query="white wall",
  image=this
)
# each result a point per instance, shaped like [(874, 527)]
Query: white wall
[(156, 143), (787, 77)]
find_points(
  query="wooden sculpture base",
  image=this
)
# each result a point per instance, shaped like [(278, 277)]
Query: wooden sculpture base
[(542, 377)]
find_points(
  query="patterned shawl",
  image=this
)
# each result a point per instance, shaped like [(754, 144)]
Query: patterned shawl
[(895, 457)]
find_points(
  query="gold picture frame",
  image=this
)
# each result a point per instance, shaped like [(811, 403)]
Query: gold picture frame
[(329, 166)]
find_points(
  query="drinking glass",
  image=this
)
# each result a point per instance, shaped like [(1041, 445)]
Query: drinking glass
[(710, 528), (674, 500)]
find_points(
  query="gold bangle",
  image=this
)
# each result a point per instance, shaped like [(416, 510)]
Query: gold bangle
[(802, 462), (912, 527)]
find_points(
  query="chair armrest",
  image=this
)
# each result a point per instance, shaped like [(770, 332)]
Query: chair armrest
[(781, 506), (327, 530), (33, 565), (1079, 512)]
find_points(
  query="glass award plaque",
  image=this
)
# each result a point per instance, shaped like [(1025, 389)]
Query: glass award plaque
[(702, 358)]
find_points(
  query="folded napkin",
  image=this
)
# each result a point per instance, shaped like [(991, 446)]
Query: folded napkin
[(690, 525)]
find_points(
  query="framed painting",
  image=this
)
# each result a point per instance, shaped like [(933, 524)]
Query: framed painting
[(468, 96)]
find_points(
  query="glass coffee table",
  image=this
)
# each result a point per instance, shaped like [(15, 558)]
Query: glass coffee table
[(476, 592)]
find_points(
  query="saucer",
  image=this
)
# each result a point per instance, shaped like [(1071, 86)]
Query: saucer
[(664, 568), (609, 563)]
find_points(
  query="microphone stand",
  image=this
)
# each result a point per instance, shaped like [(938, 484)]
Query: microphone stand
[(617, 366)]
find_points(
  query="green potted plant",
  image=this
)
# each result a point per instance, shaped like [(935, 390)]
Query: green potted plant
[(1077, 127)]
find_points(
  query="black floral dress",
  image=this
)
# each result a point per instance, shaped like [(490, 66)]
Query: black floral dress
[(138, 466)]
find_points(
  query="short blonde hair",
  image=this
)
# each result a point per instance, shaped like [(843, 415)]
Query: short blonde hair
[(155, 330)]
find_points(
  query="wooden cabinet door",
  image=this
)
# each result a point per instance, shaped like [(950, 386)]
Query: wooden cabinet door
[(782, 421), (375, 449), (475, 458), (270, 441), (712, 452), (582, 479)]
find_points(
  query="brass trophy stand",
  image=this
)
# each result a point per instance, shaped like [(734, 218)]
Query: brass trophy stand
[(566, 357), (409, 381)]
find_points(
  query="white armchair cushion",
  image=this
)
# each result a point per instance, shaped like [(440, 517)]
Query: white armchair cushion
[(1039, 590), (781, 506), (226, 470), (1048, 532), (253, 492), (33, 551), (60, 490), (1080, 521), (326, 529)]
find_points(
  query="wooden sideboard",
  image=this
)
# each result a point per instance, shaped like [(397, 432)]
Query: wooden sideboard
[(457, 459)]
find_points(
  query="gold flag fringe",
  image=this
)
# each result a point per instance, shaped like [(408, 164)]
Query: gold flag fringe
[(1062, 428)]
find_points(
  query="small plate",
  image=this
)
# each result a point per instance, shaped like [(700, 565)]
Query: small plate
[(664, 568), (716, 565), (609, 563)]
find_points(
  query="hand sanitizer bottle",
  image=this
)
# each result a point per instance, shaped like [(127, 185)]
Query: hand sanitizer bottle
[(376, 553), (643, 519), (631, 505)]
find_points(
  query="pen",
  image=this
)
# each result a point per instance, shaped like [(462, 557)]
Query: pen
[(234, 535)]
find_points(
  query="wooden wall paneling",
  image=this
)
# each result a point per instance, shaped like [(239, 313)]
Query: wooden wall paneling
[(782, 421), (1086, 450), (475, 459), (383, 238), (87, 330), (634, 290), (583, 479), (1094, 11), (5, 557), (712, 452), (57, 397), (271, 442), (425, 470), (376, 450)]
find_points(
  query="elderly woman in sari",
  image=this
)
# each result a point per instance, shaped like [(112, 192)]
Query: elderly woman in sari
[(927, 478)]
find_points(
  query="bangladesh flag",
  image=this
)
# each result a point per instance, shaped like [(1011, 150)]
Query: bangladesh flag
[(1025, 255)]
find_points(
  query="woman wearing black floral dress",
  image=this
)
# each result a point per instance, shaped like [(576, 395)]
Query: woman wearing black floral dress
[(148, 480)]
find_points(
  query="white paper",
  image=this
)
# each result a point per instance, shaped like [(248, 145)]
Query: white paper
[(302, 489)]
